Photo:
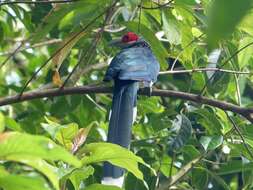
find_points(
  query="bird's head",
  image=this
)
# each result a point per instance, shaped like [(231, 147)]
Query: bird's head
[(127, 40), (129, 37)]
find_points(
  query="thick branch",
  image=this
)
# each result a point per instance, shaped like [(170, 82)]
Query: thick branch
[(245, 112), (35, 2)]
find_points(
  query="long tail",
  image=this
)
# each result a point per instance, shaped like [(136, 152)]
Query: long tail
[(121, 120)]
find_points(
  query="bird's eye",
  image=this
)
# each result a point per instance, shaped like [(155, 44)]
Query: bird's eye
[(125, 38)]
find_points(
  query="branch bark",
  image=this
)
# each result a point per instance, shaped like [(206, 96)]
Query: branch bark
[(35, 2), (30, 95)]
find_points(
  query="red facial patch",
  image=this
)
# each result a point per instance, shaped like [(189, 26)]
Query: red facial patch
[(129, 37)]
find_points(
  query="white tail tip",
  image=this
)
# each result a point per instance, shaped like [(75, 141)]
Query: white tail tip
[(113, 181)]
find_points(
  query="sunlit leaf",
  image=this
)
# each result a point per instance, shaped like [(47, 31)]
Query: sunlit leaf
[(171, 28), (100, 152), (245, 56), (212, 142), (102, 187), (19, 182), (2, 122), (42, 166), (20, 144), (78, 175)]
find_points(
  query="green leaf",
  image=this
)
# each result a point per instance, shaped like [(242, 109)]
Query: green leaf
[(185, 2), (211, 142), (18, 182), (245, 55), (64, 134), (246, 24), (171, 28), (218, 179), (115, 154), (2, 122), (149, 105), (209, 121), (102, 187), (131, 182), (78, 175), (54, 17), (71, 40), (42, 166), (199, 178), (166, 166), (1, 32), (156, 46), (223, 18), (12, 124), (20, 144), (183, 130), (234, 166)]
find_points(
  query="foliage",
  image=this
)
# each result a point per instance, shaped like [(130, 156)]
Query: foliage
[(58, 143)]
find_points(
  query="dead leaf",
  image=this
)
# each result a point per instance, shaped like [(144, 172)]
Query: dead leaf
[(80, 138), (57, 79)]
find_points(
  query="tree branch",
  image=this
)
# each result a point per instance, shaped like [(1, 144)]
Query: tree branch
[(36, 2), (159, 6), (204, 70), (181, 173), (245, 112), (45, 43)]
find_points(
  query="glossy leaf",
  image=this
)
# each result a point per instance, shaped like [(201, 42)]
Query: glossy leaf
[(20, 144), (102, 187), (183, 130), (17, 182), (211, 143), (100, 152), (2, 122), (42, 166), (199, 178), (78, 175), (245, 56)]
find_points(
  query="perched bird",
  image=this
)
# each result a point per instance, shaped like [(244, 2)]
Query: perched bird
[(133, 64)]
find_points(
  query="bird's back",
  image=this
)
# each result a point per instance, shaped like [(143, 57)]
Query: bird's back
[(135, 63)]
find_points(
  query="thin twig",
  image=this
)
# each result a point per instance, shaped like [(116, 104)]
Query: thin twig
[(245, 112), (49, 42), (11, 55), (204, 70), (181, 173), (158, 7), (240, 134), (36, 2)]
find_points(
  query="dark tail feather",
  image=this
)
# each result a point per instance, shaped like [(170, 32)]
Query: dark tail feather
[(124, 100)]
